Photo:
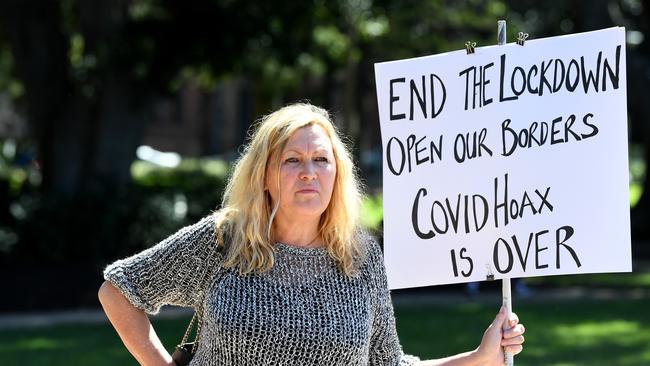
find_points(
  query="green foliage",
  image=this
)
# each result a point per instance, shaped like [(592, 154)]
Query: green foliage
[(335, 43), (636, 190), (372, 212), (420, 28), (95, 228), (15, 178), (638, 169), (17, 174), (8, 80), (174, 197), (190, 175)]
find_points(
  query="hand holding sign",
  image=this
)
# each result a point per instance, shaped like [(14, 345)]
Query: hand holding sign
[(504, 334), (546, 125)]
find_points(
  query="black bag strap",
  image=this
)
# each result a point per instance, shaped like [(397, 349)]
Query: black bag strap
[(197, 318)]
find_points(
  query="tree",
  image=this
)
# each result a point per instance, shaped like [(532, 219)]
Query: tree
[(89, 70)]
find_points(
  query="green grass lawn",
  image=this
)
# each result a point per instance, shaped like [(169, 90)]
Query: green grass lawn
[(633, 280), (558, 333)]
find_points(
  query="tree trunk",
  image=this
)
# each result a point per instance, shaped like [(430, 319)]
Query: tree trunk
[(86, 128), (85, 143)]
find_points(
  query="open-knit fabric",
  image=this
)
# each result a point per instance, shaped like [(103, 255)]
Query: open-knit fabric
[(304, 311)]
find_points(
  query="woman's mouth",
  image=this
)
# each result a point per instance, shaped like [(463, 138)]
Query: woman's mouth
[(307, 191)]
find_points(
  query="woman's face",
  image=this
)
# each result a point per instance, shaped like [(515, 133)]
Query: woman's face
[(306, 174)]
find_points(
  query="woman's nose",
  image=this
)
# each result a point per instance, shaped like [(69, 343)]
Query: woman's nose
[(308, 170)]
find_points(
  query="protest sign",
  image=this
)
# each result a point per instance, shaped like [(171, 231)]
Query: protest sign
[(509, 162)]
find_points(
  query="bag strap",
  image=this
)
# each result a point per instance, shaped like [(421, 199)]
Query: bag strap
[(195, 318), (199, 322)]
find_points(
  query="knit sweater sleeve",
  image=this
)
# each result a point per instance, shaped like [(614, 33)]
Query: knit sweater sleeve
[(173, 272), (385, 348)]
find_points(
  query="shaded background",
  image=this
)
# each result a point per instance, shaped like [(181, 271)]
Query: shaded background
[(119, 119)]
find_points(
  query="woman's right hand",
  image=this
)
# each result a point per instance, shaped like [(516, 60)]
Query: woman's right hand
[(501, 336)]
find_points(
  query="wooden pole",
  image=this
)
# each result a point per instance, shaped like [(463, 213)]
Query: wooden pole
[(506, 290), (507, 302)]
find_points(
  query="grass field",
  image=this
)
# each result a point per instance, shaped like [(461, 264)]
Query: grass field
[(594, 333), (561, 333)]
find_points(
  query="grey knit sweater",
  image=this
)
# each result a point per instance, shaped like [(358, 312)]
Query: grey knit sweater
[(304, 311)]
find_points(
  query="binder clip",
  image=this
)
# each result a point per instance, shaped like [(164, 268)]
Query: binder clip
[(469, 46), (490, 275), (521, 38)]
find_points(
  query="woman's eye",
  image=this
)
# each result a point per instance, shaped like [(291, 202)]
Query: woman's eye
[(291, 160), (322, 159)]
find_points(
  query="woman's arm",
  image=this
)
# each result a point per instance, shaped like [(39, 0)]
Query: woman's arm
[(463, 359), (133, 327), (490, 352)]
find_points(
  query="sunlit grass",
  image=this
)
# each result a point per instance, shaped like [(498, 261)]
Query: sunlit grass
[(39, 344), (619, 280), (567, 333), (597, 333), (590, 334), (76, 345)]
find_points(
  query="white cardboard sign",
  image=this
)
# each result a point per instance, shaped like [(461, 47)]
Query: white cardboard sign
[(509, 162)]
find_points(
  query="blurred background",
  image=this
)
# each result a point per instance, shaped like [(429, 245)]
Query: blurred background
[(119, 121)]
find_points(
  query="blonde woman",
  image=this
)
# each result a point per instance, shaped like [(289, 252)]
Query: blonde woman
[(282, 274)]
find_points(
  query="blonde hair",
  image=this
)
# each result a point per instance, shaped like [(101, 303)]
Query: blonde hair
[(246, 217)]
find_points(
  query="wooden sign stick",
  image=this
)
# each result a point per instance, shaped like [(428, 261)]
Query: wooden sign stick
[(506, 291)]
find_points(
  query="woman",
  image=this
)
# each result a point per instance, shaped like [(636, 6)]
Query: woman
[(282, 273)]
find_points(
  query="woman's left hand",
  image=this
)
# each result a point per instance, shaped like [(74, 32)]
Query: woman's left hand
[(501, 336)]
